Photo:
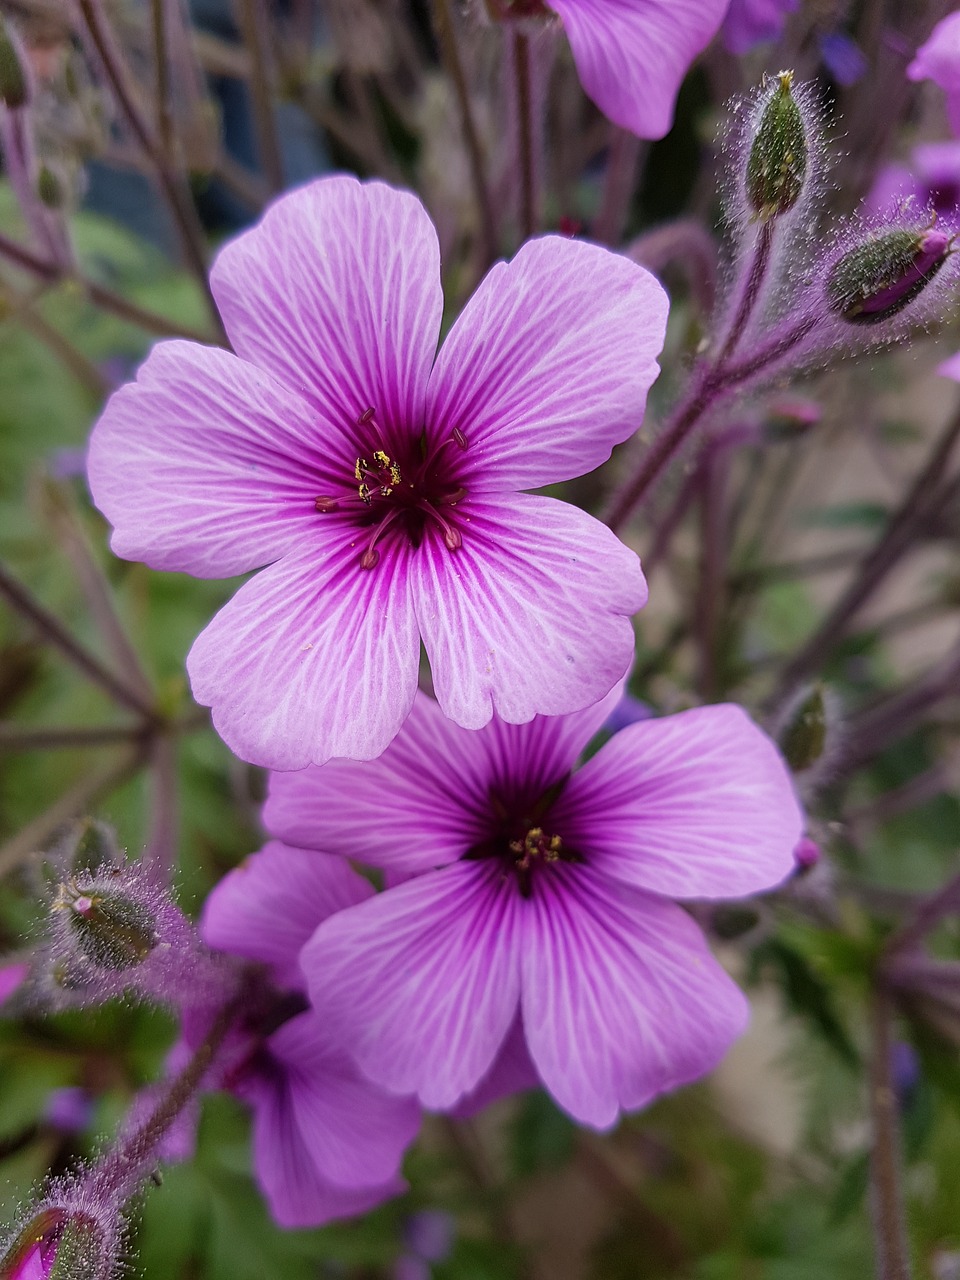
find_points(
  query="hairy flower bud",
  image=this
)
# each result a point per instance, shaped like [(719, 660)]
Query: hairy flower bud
[(14, 87), (59, 1244), (879, 277), (804, 736), (112, 931), (777, 162)]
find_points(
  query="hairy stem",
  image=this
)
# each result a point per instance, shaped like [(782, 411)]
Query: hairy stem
[(525, 157), (886, 1191)]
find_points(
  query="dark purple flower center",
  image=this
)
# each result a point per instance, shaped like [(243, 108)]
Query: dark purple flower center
[(401, 489), (522, 838), (503, 10)]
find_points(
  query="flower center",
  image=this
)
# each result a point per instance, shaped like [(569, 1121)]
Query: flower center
[(522, 844), (401, 494)]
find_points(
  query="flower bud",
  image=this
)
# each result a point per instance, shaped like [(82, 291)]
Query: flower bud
[(14, 89), (806, 855), (58, 1244), (112, 931), (878, 278), (777, 162), (804, 736), (50, 188)]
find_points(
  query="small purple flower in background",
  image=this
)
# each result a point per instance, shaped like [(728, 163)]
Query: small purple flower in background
[(939, 60), (752, 22), (931, 181), (538, 898), (70, 1110), (843, 58), (381, 481), (12, 977), (327, 1143)]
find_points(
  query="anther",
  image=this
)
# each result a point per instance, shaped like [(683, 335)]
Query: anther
[(366, 416), (326, 503), (460, 438), (370, 558), (452, 539)]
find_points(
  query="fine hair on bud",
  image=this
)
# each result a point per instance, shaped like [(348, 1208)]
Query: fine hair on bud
[(885, 271), (75, 1233), (112, 930)]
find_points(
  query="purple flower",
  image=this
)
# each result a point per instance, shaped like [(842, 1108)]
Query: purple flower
[(939, 60), (932, 181), (540, 893), (326, 1142), (632, 55), (12, 976), (382, 482), (752, 22)]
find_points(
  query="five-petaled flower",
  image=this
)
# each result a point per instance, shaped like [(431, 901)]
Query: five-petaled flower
[(534, 899), (381, 481)]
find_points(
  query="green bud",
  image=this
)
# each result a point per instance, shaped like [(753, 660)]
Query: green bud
[(14, 89), (112, 930), (49, 188), (777, 163), (805, 735), (878, 278), (79, 1252)]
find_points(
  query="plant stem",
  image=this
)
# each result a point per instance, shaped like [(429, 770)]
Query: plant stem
[(752, 286), (450, 54), (15, 737), (58, 635), (51, 272), (525, 158), (72, 802), (945, 902), (256, 36), (618, 185), (886, 1191), (172, 184), (162, 71), (925, 495)]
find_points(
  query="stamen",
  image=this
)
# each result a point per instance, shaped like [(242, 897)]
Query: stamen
[(460, 438), (366, 416), (326, 503), (371, 556), (451, 536)]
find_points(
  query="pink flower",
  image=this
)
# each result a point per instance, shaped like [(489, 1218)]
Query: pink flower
[(939, 60), (538, 899), (381, 481), (326, 1142), (632, 55), (751, 22)]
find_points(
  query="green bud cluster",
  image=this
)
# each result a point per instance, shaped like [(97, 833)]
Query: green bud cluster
[(804, 737)]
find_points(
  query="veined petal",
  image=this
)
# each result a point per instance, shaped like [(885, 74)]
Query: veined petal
[(695, 805), (621, 997), (356, 1133), (337, 292), (269, 906), (549, 365), (512, 1072), (314, 657), (208, 465), (426, 800), (632, 55), (297, 1192), (530, 616), (421, 984)]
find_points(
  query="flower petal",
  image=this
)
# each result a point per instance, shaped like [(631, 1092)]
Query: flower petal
[(530, 616), (621, 997), (297, 1192), (12, 976), (314, 657), (355, 1132), (421, 983), (426, 800), (512, 1072), (207, 465), (696, 805), (549, 365), (632, 55), (269, 906), (337, 292)]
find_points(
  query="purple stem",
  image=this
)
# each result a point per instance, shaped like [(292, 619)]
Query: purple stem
[(886, 1191)]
